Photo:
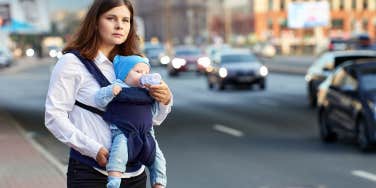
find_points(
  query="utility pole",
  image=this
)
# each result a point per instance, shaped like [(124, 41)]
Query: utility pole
[(168, 31), (228, 20)]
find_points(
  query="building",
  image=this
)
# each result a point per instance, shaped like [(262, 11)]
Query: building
[(347, 17), (180, 21)]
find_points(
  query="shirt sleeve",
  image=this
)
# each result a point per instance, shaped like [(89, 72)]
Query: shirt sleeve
[(64, 85), (104, 96), (160, 111)]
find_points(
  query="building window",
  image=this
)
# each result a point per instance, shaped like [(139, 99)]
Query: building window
[(341, 4), (282, 5), (337, 24), (365, 4), (270, 5), (353, 4)]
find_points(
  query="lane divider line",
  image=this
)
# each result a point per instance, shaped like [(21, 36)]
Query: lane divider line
[(364, 174), (228, 130)]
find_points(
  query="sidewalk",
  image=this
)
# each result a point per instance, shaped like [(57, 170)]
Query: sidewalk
[(21, 165)]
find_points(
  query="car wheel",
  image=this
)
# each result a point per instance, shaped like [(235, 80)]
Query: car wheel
[(326, 133), (172, 74), (362, 136), (262, 85), (221, 86), (211, 85)]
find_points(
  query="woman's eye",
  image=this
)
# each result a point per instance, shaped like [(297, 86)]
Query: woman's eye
[(126, 20)]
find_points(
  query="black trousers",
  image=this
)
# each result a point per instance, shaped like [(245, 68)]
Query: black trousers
[(83, 176)]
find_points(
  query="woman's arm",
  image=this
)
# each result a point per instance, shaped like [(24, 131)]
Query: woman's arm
[(64, 85), (162, 107)]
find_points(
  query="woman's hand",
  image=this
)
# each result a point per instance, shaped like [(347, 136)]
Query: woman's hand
[(102, 157), (160, 93)]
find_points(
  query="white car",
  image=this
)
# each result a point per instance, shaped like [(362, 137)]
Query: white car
[(6, 58)]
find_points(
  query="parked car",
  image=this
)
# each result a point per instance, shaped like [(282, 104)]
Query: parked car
[(236, 67), (324, 66), (6, 57), (188, 58), (347, 103), (156, 54), (338, 44)]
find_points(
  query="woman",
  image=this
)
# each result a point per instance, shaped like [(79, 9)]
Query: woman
[(106, 31)]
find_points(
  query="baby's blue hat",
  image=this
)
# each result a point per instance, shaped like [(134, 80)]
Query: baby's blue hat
[(123, 64)]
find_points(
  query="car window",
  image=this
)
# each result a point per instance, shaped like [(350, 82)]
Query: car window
[(238, 58), (368, 79), (188, 52), (345, 81)]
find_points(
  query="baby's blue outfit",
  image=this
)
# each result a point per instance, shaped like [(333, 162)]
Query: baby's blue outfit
[(119, 150)]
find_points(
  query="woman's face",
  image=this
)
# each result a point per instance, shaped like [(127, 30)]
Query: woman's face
[(114, 26)]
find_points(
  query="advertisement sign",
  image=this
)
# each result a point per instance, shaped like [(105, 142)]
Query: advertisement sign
[(308, 14), (26, 16), (4, 14)]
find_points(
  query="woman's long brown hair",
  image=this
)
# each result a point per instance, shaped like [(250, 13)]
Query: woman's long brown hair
[(87, 39)]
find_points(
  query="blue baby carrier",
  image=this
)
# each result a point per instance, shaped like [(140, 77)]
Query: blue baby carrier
[(131, 112)]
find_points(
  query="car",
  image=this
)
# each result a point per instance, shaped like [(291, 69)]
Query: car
[(188, 58), (236, 67), (265, 49), (156, 54), (6, 57), (338, 44), (347, 103), (325, 64)]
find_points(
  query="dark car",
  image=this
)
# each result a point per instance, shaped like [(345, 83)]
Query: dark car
[(324, 66), (236, 67), (187, 58), (156, 54), (338, 44), (347, 103)]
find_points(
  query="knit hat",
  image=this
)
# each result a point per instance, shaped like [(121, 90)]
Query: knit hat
[(123, 64)]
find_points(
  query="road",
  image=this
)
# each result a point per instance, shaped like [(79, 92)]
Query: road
[(235, 138)]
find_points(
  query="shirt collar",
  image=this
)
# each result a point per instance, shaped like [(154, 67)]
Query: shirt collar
[(101, 58)]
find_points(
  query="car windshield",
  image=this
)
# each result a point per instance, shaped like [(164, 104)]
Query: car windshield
[(154, 50), (188, 52), (368, 79), (238, 58)]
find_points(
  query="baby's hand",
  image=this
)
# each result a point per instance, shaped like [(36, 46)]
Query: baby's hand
[(116, 89)]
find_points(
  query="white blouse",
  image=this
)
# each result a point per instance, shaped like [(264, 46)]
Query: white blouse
[(81, 129)]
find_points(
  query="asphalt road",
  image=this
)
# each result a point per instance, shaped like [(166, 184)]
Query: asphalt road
[(243, 138)]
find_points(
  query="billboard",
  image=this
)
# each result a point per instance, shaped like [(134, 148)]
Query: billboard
[(308, 14), (4, 14), (26, 16)]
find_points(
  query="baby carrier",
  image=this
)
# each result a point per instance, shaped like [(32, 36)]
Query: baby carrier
[(131, 112)]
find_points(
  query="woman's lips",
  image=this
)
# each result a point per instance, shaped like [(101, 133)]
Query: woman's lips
[(117, 35)]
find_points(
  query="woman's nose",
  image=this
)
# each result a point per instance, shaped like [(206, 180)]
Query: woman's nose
[(119, 25)]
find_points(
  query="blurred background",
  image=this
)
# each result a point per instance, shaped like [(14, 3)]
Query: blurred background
[(267, 93)]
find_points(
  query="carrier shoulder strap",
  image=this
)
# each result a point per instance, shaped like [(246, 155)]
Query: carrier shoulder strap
[(97, 74)]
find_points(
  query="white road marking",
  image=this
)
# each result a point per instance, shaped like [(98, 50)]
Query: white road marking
[(228, 130), (364, 174)]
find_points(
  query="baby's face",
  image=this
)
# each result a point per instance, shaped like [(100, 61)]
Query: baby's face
[(134, 75)]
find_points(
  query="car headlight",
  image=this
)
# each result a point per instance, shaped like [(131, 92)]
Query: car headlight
[(263, 71), (178, 62), (204, 61), (222, 72), (53, 53), (165, 60), (30, 52)]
